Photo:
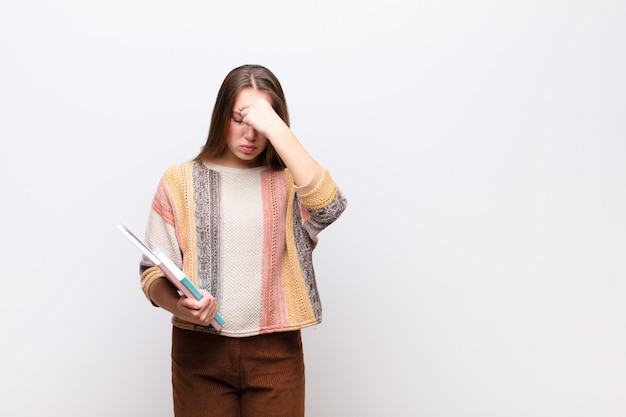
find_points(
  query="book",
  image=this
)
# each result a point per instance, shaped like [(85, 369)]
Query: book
[(172, 272)]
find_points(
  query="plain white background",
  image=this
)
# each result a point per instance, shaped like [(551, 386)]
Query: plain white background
[(478, 271)]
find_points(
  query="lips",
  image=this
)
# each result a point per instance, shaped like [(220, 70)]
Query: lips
[(248, 149)]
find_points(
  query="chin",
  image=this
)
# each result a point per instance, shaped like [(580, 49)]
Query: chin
[(252, 160), (248, 158)]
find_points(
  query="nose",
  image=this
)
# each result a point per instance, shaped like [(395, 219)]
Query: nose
[(249, 133)]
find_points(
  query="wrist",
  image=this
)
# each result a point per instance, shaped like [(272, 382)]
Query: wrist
[(279, 132)]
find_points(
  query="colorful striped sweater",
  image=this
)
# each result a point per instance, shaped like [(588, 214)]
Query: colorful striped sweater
[(246, 236)]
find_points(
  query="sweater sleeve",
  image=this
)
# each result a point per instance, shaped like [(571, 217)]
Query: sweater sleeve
[(321, 202), (160, 234)]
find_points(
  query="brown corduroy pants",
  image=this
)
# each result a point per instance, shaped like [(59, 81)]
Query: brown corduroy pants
[(258, 376)]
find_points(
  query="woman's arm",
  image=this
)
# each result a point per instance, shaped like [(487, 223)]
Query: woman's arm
[(261, 116), (202, 312)]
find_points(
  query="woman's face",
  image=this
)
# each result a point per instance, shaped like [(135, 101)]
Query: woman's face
[(243, 143)]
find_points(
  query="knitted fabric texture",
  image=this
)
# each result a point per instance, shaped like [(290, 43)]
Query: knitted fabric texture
[(246, 236)]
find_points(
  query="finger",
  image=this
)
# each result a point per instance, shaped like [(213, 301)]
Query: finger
[(210, 315), (190, 303)]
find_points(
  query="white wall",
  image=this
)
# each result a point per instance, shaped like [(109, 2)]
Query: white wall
[(478, 271)]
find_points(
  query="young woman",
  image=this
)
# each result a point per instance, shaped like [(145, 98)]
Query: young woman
[(242, 220)]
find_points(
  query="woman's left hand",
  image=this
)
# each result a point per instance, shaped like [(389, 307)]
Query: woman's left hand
[(260, 115)]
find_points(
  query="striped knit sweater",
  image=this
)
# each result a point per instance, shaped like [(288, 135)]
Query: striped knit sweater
[(246, 236)]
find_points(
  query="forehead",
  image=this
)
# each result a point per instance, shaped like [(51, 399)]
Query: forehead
[(248, 94)]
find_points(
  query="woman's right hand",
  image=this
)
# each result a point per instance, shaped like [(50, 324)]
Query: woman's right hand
[(200, 312)]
